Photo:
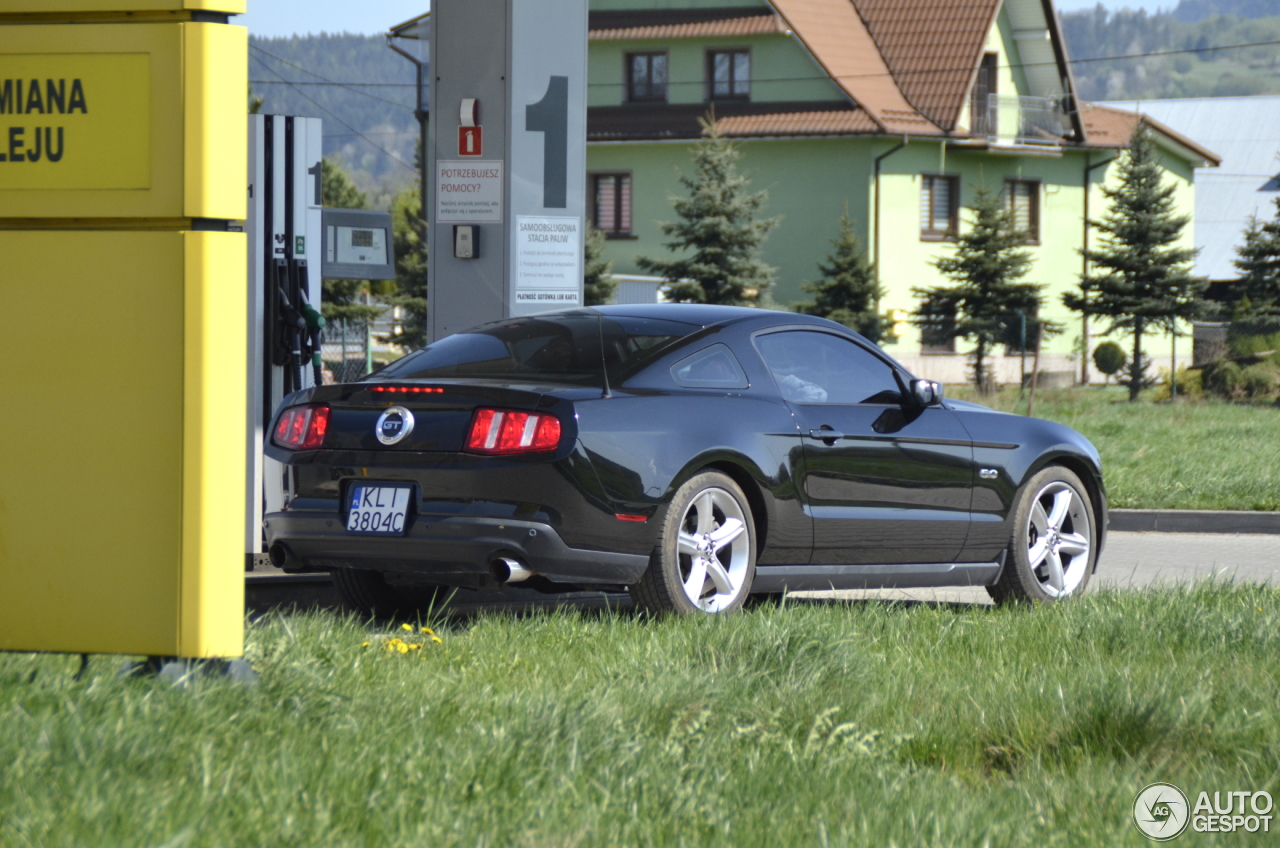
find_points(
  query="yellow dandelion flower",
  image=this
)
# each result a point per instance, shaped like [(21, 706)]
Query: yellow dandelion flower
[(406, 628), (415, 647), (428, 631), (364, 644), (437, 640), (402, 648)]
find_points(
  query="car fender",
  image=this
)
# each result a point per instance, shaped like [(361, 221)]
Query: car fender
[(642, 459)]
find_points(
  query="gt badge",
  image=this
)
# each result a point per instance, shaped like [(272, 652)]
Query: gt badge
[(393, 425)]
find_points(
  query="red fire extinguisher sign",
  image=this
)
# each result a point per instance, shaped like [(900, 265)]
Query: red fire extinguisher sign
[(470, 141)]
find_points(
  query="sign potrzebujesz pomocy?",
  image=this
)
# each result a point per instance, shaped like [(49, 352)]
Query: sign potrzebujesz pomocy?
[(75, 121), (469, 192)]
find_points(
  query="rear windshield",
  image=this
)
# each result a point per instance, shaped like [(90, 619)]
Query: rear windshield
[(563, 348)]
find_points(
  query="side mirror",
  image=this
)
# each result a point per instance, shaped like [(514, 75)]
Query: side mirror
[(926, 392)]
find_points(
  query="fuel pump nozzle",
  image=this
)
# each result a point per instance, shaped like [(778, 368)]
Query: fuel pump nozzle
[(315, 325)]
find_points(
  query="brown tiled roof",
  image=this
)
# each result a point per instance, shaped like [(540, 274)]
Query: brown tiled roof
[(848, 121), (680, 120), (838, 39), (932, 48), (754, 25), (1107, 127), (633, 18)]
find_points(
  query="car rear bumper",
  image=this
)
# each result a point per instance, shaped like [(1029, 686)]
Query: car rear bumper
[(454, 549)]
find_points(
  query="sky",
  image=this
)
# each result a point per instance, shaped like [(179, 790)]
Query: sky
[(274, 18)]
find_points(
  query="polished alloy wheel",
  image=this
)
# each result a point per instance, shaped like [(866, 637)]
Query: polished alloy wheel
[(1059, 537), (714, 550)]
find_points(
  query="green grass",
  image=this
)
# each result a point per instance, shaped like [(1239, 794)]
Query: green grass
[(1197, 455), (807, 724)]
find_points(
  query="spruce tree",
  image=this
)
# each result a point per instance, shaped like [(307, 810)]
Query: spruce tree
[(848, 292), (720, 231), (1257, 293), (409, 241), (409, 246), (987, 296), (1142, 280), (597, 282)]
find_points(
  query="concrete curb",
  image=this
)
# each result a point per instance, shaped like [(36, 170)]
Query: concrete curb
[(1194, 521)]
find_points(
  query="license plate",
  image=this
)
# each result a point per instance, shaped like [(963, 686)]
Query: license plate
[(379, 510)]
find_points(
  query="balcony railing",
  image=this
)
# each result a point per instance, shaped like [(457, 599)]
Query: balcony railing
[(1021, 120)]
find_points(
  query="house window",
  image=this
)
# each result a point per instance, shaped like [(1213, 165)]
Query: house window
[(729, 74), (611, 204), (937, 327), (1023, 199), (646, 76), (939, 198)]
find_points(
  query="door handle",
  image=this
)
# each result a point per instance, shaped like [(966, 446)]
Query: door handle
[(827, 435)]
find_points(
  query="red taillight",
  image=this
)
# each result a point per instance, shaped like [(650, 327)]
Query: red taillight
[(302, 427), (505, 431)]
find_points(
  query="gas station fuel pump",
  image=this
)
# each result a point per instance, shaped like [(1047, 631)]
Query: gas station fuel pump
[(294, 244)]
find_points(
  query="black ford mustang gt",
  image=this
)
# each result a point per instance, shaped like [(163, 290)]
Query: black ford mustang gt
[(694, 454)]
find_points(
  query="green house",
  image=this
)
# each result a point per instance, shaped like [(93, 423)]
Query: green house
[(895, 108)]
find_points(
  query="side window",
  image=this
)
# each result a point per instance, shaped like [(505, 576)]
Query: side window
[(611, 204), (729, 75), (1023, 200), (812, 367), (712, 367), (646, 76), (939, 207)]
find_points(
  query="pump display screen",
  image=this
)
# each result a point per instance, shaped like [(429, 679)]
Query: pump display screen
[(359, 245)]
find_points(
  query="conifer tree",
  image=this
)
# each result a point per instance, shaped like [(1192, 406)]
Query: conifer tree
[(720, 231), (987, 296), (597, 280), (1257, 292), (848, 292), (409, 240), (409, 244), (1141, 278)]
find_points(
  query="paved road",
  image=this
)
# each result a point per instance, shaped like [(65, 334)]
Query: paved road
[(1130, 560), (1134, 560)]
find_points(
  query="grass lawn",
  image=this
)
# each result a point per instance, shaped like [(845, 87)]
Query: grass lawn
[(804, 724), (1199, 455)]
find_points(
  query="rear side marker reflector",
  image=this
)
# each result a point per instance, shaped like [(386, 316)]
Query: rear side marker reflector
[(409, 390), (499, 431), (302, 427), (622, 517)]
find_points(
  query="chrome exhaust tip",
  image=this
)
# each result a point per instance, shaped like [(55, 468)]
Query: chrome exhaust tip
[(508, 570)]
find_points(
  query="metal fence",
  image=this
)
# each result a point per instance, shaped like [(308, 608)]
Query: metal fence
[(1239, 341), (1022, 120), (1238, 359), (353, 348)]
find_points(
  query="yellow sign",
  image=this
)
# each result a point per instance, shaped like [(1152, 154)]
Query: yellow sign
[(75, 121)]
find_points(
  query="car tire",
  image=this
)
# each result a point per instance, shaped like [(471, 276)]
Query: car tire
[(369, 592), (708, 532), (1053, 548)]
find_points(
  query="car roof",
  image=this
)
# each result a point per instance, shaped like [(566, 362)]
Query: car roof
[(702, 314)]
